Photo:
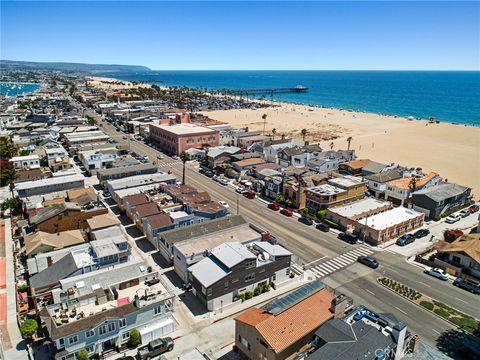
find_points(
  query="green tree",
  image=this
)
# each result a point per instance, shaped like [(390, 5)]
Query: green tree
[(14, 204), (28, 328), (349, 140), (8, 177), (82, 355), (264, 117), (304, 133), (7, 149), (184, 157), (25, 152), (135, 338)]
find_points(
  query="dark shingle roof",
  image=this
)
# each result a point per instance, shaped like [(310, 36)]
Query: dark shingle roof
[(57, 271), (52, 211), (205, 228), (385, 176), (442, 191)]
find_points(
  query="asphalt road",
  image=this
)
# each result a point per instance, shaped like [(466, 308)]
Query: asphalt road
[(312, 246)]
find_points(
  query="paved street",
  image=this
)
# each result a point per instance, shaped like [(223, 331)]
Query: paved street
[(330, 259)]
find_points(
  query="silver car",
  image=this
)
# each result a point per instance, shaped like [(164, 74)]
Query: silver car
[(438, 273)]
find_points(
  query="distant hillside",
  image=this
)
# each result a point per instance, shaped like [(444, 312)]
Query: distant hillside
[(70, 67)]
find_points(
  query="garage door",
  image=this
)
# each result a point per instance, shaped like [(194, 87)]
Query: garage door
[(156, 330)]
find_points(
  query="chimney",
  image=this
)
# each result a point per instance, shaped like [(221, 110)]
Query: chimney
[(398, 332), (339, 305), (413, 344), (265, 236), (49, 261)]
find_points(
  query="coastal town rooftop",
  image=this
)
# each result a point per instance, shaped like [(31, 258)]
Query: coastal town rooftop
[(326, 190), (356, 208), (390, 218), (186, 129)]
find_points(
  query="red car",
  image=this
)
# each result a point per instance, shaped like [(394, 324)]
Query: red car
[(286, 212), (274, 206), (473, 209), (249, 194)]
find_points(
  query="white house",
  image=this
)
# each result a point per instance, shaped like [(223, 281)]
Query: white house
[(26, 162), (98, 159)]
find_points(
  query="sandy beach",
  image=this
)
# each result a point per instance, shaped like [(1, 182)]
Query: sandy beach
[(453, 151)]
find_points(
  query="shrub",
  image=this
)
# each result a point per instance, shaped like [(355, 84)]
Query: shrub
[(28, 328), (241, 296), (321, 214), (427, 305), (248, 295), (22, 288), (443, 313), (452, 235), (257, 291), (135, 339), (82, 355)]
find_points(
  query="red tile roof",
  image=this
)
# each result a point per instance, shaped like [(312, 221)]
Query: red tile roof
[(292, 324)]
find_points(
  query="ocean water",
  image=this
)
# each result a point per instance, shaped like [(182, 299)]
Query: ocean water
[(452, 96), (12, 89)]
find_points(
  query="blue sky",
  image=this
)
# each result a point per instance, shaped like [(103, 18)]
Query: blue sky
[(246, 35)]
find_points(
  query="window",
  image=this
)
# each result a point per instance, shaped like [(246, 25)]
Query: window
[(455, 259), (89, 333), (90, 349), (102, 329), (111, 327), (61, 343), (122, 323), (226, 285), (244, 342), (250, 277), (126, 335), (157, 310), (73, 339), (250, 264)]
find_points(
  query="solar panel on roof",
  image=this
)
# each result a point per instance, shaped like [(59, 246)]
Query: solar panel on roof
[(279, 305)]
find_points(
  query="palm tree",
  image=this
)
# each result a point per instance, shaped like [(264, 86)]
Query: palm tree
[(274, 131), (332, 145), (349, 140), (264, 117), (7, 149), (184, 158), (8, 177), (304, 133)]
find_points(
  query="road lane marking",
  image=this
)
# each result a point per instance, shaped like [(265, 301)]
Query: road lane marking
[(466, 302), (314, 261), (400, 310), (438, 332), (371, 292), (421, 282)]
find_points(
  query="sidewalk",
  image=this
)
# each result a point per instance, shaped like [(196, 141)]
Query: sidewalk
[(16, 347)]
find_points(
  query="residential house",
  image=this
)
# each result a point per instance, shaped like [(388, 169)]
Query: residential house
[(279, 329), (298, 156), (26, 162), (142, 211), (461, 257), (105, 175), (32, 175), (377, 183), (243, 166), (207, 211), (49, 185), (353, 167), (42, 242), (362, 334), (220, 154), (190, 251), (337, 191), (98, 159), (139, 180), (271, 150), (129, 202), (329, 160), (153, 225), (399, 191), (232, 268), (442, 199)]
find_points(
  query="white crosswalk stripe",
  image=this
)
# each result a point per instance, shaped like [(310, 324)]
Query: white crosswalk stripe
[(168, 164), (339, 262)]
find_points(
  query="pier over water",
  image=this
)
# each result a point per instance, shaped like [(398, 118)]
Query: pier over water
[(295, 89)]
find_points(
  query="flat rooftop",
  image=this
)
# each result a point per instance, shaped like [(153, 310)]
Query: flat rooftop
[(49, 182), (359, 207), (326, 190), (390, 218), (345, 181), (186, 129)]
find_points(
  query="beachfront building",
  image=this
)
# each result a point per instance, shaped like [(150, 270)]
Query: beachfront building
[(329, 160), (377, 183), (336, 191), (232, 268), (26, 162), (176, 138), (445, 198), (298, 156), (461, 257), (399, 191)]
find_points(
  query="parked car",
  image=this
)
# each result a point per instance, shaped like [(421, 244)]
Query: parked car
[(224, 181), (155, 348), (473, 209), (209, 174), (323, 227), (239, 189), (348, 237), (249, 194), (436, 272), (160, 157), (216, 178), (305, 220), (286, 212), (467, 284), (201, 170), (421, 233), (453, 218), (464, 213), (274, 206), (405, 240), (152, 282), (368, 261), (224, 204)]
